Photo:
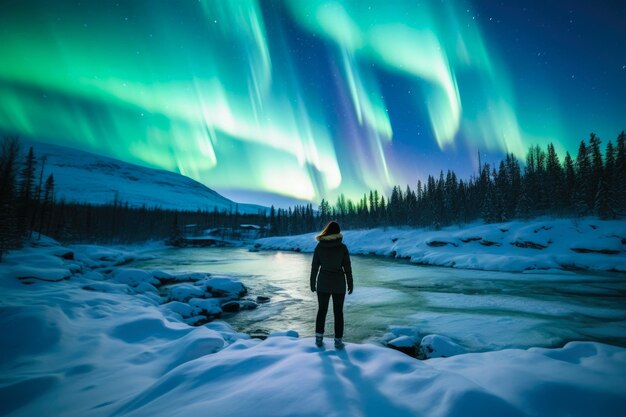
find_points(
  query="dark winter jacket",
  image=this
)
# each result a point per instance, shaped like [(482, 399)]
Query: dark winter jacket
[(332, 260)]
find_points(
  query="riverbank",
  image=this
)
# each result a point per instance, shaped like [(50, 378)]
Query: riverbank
[(517, 246), (84, 336)]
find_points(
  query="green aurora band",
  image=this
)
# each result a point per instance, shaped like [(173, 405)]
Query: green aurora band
[(208, 89)]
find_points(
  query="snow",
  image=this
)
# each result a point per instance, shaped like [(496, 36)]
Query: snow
[(95, 345), (85, 177), (437, 346), (402, 341), (546, 244)]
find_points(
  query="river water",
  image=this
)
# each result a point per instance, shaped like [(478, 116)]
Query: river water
[(479, 310)]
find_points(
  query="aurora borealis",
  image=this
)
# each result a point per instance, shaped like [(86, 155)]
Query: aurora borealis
[(309, 99)]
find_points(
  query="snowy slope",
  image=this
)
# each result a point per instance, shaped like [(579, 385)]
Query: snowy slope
[(93, 345), (540, 244), (85, 177)]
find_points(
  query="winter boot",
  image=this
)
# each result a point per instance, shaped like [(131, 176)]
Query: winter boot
[(339, 343), (319, 339)]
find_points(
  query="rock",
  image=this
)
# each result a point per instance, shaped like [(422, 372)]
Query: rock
[(471, 239), (66, 254), (206, 307), (248, 305), (259, 334), (488, 243), (133, 277), (404, 344), (437, 243), (144, 287), (224, 287), (602, 251), (184, 292), (262, 299), (436, 346), (528, 244), (231, 307)]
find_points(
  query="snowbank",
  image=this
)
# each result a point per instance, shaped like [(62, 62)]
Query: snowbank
[(69, 349), (543, 244)]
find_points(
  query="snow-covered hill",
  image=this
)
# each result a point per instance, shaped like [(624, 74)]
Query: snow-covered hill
[(89, 178)]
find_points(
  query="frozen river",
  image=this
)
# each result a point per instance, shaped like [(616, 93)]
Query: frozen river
[(478, 309)]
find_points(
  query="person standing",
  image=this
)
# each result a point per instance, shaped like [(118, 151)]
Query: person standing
[(331, 272)]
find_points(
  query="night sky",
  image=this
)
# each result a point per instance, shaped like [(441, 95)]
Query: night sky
[(272, 101)]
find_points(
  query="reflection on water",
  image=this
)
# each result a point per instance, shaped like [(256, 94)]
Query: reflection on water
[(480, 310)]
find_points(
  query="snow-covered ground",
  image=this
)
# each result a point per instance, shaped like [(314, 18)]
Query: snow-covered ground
[(541, 244), (86, 335), (89, 178)]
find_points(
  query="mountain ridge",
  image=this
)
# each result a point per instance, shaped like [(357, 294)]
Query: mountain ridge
[(85, 177)]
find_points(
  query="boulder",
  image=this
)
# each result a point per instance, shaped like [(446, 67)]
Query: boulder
[(259, 334), (224, 287), (404, 344), (248, 305), (601, 251), (66, 254), (231, 307), (528, 244), (470, 239), (262, 299), (438, 243), (436, 346)]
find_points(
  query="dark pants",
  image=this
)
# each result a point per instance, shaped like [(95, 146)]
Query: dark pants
[(322, 301)]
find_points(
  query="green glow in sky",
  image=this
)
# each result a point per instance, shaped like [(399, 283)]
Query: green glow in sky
[(216, 89)]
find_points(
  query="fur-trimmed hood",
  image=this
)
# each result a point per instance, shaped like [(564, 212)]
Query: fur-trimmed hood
[(329, 237)]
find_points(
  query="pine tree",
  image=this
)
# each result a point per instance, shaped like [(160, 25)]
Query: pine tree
[(620, 174), (606, 204), (554, 181), (523, 210), (515, 184), (46, 206), (26, 192), (501, 193), (603, 207), (584, 198), (569, 182), (10, 237), (489, 211)]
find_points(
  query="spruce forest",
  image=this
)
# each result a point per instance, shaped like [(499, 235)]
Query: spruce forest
[(591, 183)]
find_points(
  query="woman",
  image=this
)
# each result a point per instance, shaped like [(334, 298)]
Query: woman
[(332, 260)]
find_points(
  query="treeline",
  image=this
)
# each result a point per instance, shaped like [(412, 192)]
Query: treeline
[(26, 200), (119, 223), (28, 209), (591, 184)]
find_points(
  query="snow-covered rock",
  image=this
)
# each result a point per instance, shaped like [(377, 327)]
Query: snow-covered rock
[(206, 306), (405, 344), (184, 292), (133, 277), (223, 287), (436, 346)]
